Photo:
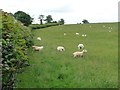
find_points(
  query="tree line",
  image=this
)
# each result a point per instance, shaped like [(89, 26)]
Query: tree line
[(26, 19)]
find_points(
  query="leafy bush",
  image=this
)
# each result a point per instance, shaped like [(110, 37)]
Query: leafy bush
[(16, 39)]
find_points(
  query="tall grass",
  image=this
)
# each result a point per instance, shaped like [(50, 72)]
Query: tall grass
[(52, 69)]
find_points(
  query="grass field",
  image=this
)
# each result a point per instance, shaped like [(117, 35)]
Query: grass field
[(52, 69)]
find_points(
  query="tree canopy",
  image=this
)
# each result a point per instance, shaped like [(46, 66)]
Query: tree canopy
[(48, 19), (61, 21), (41, 18), (85, 21), (23, 17)]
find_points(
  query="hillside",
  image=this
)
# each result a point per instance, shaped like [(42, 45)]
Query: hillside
[(52, 69)]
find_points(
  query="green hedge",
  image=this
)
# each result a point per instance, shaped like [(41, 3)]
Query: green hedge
[(16, 39), (38, 26)]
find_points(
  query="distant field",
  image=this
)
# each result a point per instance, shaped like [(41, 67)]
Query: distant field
[(53, 69)]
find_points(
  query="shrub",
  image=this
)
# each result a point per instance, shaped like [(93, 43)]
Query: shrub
[(16, 39)]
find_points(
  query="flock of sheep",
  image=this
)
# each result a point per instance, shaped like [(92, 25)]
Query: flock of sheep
[(83, 35), (110, 28), (79, 53), (62, 48)]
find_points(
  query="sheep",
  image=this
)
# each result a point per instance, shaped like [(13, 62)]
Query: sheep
[(77, 33), (60, 48), (109, 27), (83, 35), (109, 31), (79, 54), (38, 38), (37, 48), (80, 46), (103, 25), (64, 34)]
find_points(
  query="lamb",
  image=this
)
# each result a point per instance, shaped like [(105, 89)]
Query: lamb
[(79, 54), (83, 35), (109, 27), (60, 48), (80, 46), (38, 38), (103, 25), (77, 33), (64, 34), (37, 48)]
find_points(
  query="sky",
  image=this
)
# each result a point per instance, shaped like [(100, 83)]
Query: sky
[(72, 11)]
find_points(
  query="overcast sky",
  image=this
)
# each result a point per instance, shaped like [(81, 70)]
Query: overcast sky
[(72, 11)]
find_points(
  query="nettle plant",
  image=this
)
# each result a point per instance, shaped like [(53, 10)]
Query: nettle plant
[(16, 39)]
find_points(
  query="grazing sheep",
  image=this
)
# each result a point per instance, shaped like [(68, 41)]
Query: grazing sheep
[(109, 27), (83, 35), (64, 34), (60, 48), (80, 46), (77, 33), (34, 47), (79, 54), (103, 25), (37, 48), (38, 38), (109, 31)]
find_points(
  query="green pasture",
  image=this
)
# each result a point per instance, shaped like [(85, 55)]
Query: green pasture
[(52, 69)]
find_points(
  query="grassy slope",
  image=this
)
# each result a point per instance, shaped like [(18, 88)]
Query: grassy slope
[(49, 68)]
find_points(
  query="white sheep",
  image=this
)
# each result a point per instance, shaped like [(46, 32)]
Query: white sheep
[(38, 38), (37, 48), (83, 35), (64, 34), (103, 25), (79, 54), (109, 27), (60, 48), (80, 46), (77, 33)]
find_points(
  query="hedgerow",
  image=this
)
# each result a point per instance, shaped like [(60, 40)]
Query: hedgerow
[(16, 39), (38, 26)]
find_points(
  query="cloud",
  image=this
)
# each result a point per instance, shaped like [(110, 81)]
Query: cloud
[(62, 9), (72, 11)]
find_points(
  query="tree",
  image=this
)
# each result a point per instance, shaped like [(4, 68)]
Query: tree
[(85, 21), (48, 19), (61, 21), (23, 17), (41, 18)]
